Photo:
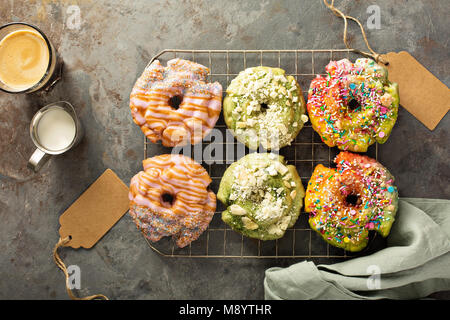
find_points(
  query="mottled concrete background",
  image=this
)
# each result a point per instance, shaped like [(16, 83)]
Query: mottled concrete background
[(102, 61)]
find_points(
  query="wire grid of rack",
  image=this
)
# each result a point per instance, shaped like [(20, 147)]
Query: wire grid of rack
[(305, 152)]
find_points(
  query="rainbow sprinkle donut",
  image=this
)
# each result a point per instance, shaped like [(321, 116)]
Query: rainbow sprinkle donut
[(354, 106), (345, 203)]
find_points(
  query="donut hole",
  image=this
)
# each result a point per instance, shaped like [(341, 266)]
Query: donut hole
[(353, 105), (264, 107), (352, 200), (167, 199), (176, 101)]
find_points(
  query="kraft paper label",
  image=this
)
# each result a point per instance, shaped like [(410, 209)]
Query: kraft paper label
[(96, 211), (421, 93)]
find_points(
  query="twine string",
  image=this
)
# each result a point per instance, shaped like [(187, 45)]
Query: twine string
[(61, 243), (377, 57)]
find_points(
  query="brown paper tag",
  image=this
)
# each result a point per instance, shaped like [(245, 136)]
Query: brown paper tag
[(96, 211), (421, 93)]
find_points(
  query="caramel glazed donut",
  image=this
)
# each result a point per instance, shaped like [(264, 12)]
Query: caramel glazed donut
[(156, 108), (171, 198)]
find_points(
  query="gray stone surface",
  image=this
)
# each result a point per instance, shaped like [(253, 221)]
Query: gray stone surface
[(102, 61)]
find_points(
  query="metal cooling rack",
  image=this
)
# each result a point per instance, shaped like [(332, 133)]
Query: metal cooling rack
[(305, 152)]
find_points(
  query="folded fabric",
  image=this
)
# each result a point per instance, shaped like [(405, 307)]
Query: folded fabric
[(415, 263)]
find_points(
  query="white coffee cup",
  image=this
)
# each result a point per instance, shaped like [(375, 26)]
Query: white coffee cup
[(54, 130)]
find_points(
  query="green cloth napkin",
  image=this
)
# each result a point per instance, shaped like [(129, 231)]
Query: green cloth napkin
[(415, 263)]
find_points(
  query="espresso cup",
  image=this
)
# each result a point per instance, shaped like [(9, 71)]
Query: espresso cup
[(54, 130), (28, 60)]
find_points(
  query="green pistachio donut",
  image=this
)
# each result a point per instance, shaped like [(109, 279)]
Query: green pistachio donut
[(263, 196), (264, 106)]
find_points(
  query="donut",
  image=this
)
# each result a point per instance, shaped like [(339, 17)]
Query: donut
[(171, 198), (175, 104), (264, 106), (262, 194), (354, 106), (346, 202)]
